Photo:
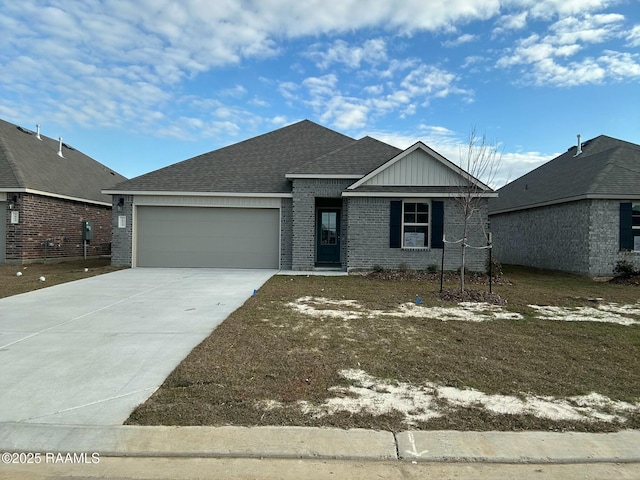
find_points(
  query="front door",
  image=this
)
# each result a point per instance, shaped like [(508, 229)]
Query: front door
[(328, 235)]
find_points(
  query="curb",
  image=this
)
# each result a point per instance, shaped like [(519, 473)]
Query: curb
[(323, 443)]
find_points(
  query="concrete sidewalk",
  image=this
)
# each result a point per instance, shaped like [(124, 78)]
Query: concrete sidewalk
[(323, 443)]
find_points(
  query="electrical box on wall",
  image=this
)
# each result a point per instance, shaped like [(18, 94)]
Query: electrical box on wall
[(87, 231)]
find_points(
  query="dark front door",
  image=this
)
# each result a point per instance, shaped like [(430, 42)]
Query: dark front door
[(328, 235)]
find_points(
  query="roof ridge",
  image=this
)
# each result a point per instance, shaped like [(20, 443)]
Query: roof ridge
[(13, 165)]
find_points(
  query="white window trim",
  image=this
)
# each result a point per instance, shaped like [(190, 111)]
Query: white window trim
[(428, 224)]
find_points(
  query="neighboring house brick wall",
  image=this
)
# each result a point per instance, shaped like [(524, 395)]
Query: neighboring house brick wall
[(286, 234), (122, 238), (305, 192), (368, 241), (554, 237), (604, 239), (51, 228)]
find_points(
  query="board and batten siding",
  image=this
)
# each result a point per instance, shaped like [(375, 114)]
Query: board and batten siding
[(415, 169)]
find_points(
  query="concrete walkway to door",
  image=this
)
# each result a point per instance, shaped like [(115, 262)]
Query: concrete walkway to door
[(87, 352)]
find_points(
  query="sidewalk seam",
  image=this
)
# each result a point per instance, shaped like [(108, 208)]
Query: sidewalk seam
[(395, 442)]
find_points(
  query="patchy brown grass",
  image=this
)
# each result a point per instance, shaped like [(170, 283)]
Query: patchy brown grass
[(265, 351), (54, 273)]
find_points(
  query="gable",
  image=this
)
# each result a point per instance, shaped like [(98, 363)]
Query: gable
[(420, 167), (417, 168)]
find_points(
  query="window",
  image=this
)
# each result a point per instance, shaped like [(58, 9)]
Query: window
[(635, 216), (630, 226), (328, 228), (415, 224), (635, 226)]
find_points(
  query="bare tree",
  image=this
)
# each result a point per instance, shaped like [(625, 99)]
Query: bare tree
[(480, 161)]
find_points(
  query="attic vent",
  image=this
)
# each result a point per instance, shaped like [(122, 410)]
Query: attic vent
[(67, 146), (24, 130)]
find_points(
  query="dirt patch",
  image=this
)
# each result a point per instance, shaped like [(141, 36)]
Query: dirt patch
[(471, 296)]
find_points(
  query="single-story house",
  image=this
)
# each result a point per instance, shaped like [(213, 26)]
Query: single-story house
[(579, 212), (300, 197), (48, 190)]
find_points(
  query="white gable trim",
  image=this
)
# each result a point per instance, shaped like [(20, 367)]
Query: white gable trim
[(418, 195), (430, 152)]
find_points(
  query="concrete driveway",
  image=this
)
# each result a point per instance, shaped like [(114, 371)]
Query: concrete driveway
[(87, 352)]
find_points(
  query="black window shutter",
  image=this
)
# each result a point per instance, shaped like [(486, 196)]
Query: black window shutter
[(437, 224), (626, 227), (395, 224)]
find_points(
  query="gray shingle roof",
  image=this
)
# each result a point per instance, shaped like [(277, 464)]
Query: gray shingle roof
[(256, 165), (29, 163), (606, 167), (357, 158)]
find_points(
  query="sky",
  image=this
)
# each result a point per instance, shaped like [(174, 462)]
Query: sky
[(141, 84)]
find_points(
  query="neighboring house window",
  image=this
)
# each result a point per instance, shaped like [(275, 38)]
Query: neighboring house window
[(635, 216), (416, 224), (635, 225), (630, 226)]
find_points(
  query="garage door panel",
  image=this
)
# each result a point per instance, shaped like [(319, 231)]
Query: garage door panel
[(207, 237)]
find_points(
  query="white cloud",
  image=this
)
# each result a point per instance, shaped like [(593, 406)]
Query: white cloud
[(516, 21), (371, 51), (633, 37), (356, 107), (546, 57), (466, 38)]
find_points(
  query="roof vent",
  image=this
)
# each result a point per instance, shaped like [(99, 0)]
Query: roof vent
[(60, 147), (579, 147), (38, 132)]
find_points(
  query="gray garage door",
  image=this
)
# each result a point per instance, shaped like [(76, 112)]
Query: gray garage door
[(207, 237)]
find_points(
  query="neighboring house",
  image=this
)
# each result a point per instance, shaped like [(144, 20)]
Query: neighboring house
[(579, 212), (47, 191), (300, 197)]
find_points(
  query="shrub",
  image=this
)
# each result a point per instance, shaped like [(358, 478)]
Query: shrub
[(625, 269), (433, 268), (496, 268), (403, 267), (377, 268)]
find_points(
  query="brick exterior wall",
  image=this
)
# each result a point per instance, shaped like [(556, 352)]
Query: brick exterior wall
[(286, 234), (122, 238), (305, 192), (368, 238), (554, 237), (51, 228), (579, 237)]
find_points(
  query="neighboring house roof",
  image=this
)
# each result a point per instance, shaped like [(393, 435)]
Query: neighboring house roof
[(29, 164), (351, 161), (256, 165), (606, 168)]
